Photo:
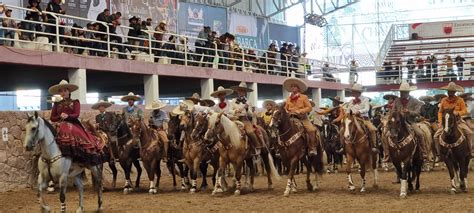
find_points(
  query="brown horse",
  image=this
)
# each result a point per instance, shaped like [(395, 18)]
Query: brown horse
[(357, 147), (454, 150), (192, 149), (150, 151), (404, 151), (292, 148)]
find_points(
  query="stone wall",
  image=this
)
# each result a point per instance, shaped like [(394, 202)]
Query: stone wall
[(16, 164)]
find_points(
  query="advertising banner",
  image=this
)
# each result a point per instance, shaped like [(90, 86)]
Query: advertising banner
[(442, 29), (280, 34), (193, 17), (250, 31)]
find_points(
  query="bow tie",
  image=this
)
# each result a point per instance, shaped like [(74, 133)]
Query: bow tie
[(240, 100), (404, 101), (294, 98), (222, 105), (356, 101)]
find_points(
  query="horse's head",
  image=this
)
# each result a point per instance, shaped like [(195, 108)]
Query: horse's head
[(449, 121), (214, 126), (186, 120), (395, 122), (326, 128), (278, 115), (136, 128), (200, 127), (34, 131)]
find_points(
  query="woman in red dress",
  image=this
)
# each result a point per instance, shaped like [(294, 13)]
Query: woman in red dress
[(72, 138)]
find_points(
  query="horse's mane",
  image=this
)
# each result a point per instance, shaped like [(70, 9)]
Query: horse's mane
[(231, 130), (50, 127)]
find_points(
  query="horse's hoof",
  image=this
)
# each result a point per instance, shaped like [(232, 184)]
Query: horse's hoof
[(453, 191), (315, 187), (79, 210), (286, 193), (152, 191), (192, 190), (362, 190), (294, 190), (126, 191), (403, 195), (50, 189), (375, 186), (270, 187), (45, 209), (352, 188), (237, 192)]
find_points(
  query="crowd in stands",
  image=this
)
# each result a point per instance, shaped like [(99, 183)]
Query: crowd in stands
[(92, 40)]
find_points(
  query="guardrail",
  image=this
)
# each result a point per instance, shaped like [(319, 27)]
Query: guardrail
[(173, 49)]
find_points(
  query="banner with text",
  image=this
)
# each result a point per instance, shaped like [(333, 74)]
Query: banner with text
[(250, 31), (443, 29)]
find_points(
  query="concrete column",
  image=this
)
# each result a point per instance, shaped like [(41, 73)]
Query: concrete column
[(79, 78), (152, 92), (253, 96), (316, 96), (341, 94), (207, 87)]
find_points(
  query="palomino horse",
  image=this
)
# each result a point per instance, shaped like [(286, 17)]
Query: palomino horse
[(332, 143), (150, 152), (53, 166), (233, 149), (454, 150), (404, 151), (292, 146), (357, 147), (192, 149)]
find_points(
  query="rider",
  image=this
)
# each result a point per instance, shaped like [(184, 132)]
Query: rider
[(390, 98), (241, 108), (336, 113), (298, 104), (456, 103), (72, 138), (428, 110), (411, 107), (159, 121), (131, 111), (267, 116), (195, 99), (103, 118), (360, 106), (224, 104)]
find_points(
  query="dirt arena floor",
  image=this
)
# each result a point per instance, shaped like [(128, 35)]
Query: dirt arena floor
[(332, 196)]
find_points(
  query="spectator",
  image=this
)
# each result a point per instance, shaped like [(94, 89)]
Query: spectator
[(134, 33), (449, 67), (428, 64), (224, 45), (211, 43), (201, 42), (148, 24), (434, 65), (104, 17), (353, 76), (34, 15), (54, 7), (460, 65), (398, 70), (284, 57), (171, 46), (304, 66), (9, 23), (251, 60), (387, 74), (411, 68), (269, 58), (295, 56), (420, 64), (327, 76), (116, 41), (160, 30)]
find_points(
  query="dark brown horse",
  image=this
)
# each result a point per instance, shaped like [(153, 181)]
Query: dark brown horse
[(357, 147), (332, 144), (404, 151), (293, 147), (454, 150), (150, 152), (175, 152)]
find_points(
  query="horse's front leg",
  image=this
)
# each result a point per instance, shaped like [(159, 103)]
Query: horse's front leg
[(97, 178), (362, 175), (194, 169), (350, 160), (238, 175), (291, 172), (251, 173), (403, 180), (62, 190), (114, 172), (449, 163), (41, 187), (220, 173)]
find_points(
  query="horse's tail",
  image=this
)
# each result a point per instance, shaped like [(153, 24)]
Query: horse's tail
[(319, 162), (273, 170)]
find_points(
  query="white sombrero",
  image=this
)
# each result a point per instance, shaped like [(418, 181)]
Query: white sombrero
[(405, 87), (183, 107), (241, 86), (155, 105), (427, 98), (356, 88), (195, 98), (130, 96), (106, 104), (221, 90), (54, 90), (294, 81), (269, 101), (452, 87)]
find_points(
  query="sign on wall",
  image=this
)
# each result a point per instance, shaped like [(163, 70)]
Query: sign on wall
[(250, 31), (443, 29), (280, 34)]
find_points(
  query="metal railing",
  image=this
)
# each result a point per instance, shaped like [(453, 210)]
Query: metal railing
[(60, 37)]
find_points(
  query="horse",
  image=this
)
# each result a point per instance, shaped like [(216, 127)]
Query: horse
[(233, 148), (357, 147), (272, 143), (192, 147), (430, 162), (53, 166), (150, 151), (293, 147), (175, 152), (404, 151), (454, 150), (332, 143)]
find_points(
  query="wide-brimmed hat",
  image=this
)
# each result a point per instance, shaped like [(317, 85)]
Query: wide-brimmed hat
[(163, 22), (269, 101), (132, 18), (221, 90), (405, 87), (207, 102), (54, 99), (426, 98), (466, 96), (438, 97), (195, 98), (106, 104), (53, 90), (323, 108), (336, 99), (453, 87), (356, 88), (186, 105), (242, 86), (155, 105), (294, 81), (388, 96), (130, 96)]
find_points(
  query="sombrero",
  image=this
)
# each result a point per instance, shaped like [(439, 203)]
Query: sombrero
[(388, 96), (336, 99), (405, 87), (130, 96), (294, 81), (427, 98), (163, 22), (242, 86), (55, 99), (207, 102), (377, 107), (452, 87), (221, 90), (106, 104), (269, 101), (356, 88), (54, 90), (438, 97), (186, 105), (324, 108), (466, 96), (155, 105), (195, 98)]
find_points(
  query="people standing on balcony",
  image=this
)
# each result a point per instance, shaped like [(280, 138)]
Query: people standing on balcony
[(397, 74), (420, 63), (212, 44), (387, 71), (284, 57), (200, 43), (135, 32), (303, 64), (327, 76), (34, 15), (54, 7), (268, 58), (460, 65), (251, 61), (449, 67), (428, 64), (411, 68), (160, 31), (434, 65), (9, 23), (170, 49), (104, 17), (295, 57), (353, 76)]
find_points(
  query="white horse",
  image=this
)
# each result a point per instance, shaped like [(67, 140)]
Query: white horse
[(53, 166)]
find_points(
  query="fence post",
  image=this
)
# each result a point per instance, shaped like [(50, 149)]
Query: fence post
[(185, 51), (266, 62), (243, 59), (58, 44), (150, 50), (108, 40)]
